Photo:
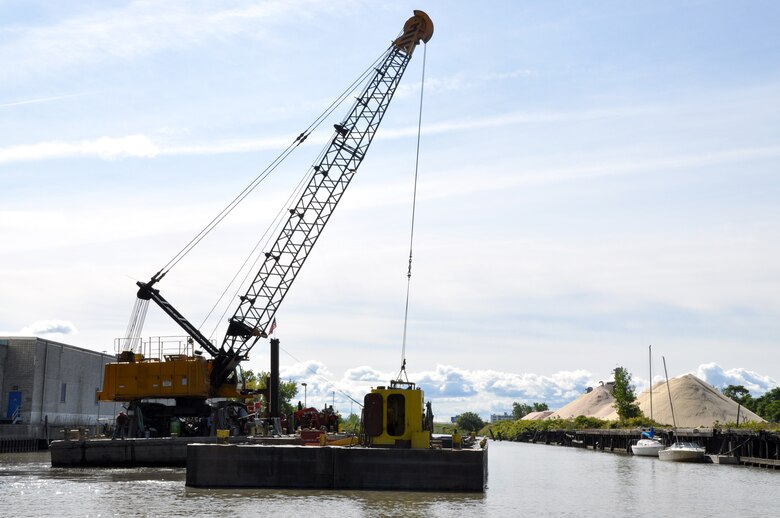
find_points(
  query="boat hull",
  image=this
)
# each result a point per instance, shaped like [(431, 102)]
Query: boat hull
[(682, 453), (647, 448)]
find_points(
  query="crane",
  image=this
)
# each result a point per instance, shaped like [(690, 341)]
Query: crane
[(190, 378)]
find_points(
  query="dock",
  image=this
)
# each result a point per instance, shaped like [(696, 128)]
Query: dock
[(759, 448)]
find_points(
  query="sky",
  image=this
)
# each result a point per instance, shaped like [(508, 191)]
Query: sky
[(593, 178)]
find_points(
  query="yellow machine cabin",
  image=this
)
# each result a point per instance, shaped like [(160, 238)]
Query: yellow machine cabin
[(397, 417), (169, 369)]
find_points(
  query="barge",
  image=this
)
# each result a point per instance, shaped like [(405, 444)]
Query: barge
[(396, 451)]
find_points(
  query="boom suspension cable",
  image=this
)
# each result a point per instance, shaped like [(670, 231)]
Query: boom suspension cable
[(411, 233), (279, 219), (267, 171)]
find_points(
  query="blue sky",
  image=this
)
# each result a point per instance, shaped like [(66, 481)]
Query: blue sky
[(594, 178)]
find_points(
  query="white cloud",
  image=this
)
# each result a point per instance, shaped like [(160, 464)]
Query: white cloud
[(453, 390), (141, 145), (135, 29), (306, 371), (107, 148), (364, 373), (460, 82), (45, 328), (719, 377), (41, 100)]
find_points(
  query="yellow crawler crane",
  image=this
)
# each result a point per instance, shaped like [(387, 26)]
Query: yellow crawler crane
[(183, 375)]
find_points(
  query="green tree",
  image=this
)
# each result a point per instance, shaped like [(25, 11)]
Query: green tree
[(771, 411), (352, 424), (470, 421), (768, 405), (520, 410), (625, 395), (250, 379), (738, 393), (287, 389)]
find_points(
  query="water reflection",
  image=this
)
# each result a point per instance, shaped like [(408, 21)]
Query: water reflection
[(524, 479)]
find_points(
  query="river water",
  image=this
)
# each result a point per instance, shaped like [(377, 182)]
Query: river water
[(524, 479)]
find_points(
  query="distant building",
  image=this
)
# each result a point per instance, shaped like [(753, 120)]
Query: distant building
[(494, 418), (454, 419), (46, 386)]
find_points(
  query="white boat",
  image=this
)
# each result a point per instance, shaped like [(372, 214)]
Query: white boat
[(647, 447), (682, 452)]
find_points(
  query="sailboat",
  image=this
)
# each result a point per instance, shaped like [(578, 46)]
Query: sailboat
[(679, 451), (649, 445)]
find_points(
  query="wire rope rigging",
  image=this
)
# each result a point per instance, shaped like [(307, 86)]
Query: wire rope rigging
[(402, 376)]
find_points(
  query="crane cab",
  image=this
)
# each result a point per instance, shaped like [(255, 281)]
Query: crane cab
[(394, 417)]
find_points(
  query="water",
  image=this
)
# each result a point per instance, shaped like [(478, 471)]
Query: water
[(524, 479)]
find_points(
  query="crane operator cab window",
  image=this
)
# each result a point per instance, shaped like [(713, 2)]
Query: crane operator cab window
[(395, 415)]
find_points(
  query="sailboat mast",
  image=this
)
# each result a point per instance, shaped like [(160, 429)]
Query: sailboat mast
[(650, 354), (666, 375)]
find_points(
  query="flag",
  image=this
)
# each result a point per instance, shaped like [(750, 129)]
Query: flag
[(273, 326)]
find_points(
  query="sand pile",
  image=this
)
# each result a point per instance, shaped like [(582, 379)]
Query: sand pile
[(696, 403), (537, 416), (594, 403)]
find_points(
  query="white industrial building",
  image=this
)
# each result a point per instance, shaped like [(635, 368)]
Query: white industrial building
[(48, 386)]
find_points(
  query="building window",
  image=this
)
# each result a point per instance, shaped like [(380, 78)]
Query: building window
[(63, 392)]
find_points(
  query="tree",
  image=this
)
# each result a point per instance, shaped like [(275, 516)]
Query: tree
[(352, 423), (470, 421), (768, 405), (250, 379), (738, 393), (520, 410), (625, 395), (287, 389)]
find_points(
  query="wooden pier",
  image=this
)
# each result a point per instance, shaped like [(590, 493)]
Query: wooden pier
[(750, 448)]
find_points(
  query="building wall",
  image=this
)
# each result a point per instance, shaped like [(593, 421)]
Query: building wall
[(3, 355), (58, 382)]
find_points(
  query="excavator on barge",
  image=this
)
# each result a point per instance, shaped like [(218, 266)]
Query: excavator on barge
[(170, 385)]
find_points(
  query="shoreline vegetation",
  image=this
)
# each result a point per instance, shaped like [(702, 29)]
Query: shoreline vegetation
[(512, 430)]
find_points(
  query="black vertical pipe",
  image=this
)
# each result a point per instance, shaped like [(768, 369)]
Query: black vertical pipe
[(274, 403)]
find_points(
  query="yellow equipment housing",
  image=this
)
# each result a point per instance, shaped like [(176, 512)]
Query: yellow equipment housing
[(394, 417), (176, 376)]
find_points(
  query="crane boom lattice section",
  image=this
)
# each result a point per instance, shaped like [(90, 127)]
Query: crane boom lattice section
[(330, 178)]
